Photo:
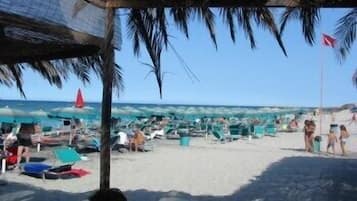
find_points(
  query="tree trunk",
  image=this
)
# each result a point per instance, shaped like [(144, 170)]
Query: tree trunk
[(107, 79)]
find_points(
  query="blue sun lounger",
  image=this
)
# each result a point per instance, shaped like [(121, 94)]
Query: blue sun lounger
[(66, 156)]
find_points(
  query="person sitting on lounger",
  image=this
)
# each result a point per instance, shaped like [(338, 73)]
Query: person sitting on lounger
[(138, 139), (293, 125)]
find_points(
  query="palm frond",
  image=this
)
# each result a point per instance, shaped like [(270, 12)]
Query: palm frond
[(16, 71), (227, 15), (244, 16), (145, 27), (6, 76), (309, 18), (206, 15), (346, 33), (354, 79), (265, 18), (181, 17)]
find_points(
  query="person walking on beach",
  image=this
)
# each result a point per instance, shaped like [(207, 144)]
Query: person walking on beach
[(354, 119), (332, 139), (343, 139), (24, 142)]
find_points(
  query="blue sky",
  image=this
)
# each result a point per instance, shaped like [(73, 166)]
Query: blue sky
[(232, 75)]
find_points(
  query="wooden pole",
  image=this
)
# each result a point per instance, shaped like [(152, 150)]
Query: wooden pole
[(107, 79)]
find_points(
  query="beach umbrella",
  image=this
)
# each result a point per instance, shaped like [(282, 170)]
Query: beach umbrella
[(8, 114), (39, 113), (73, 113), (79, 100), (78, 111)]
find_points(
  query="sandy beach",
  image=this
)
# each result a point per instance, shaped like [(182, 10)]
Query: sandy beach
[(271, 168)]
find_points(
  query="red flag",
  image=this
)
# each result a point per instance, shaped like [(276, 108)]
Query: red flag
[(328, 40), (79, 100)]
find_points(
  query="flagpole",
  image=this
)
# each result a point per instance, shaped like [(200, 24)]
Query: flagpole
[(327, 41), (321, 86)]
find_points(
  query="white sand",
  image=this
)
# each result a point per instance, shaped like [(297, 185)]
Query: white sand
[(206, 168)]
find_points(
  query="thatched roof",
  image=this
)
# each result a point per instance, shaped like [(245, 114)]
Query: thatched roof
[(51, 29), (221, 3)]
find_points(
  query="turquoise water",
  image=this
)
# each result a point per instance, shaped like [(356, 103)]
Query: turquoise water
[(132, 110)]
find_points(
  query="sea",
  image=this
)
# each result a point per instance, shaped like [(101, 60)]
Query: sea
[(133, 110)]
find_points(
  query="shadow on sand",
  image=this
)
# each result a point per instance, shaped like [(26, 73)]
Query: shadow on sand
[(290, 179)]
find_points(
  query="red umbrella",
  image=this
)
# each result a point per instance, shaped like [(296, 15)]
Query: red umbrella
[(79, 100)]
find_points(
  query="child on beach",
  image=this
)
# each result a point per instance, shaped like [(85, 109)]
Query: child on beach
[(343, 139), (332, 139)]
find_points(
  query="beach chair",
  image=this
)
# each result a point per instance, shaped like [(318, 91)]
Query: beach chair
[(235, 131), (271, 130), (95, 144), (46, 129), (219, 134), (259, 131), (66, 157)]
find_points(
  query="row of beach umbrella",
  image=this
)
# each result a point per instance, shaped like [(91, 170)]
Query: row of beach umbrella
[(80, 111)]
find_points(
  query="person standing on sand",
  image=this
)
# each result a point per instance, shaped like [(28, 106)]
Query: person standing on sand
[(332, 139), (354, 119), (305, 133), (343, 139), (25, 142), (309, 135)]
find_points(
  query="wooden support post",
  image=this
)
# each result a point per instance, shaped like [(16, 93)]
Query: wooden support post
[(107, 79)]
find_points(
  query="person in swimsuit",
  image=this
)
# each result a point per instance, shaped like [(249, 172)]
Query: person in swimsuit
[(343, 139), (24, 142), (138, 139), (309, 135), (332, 139)]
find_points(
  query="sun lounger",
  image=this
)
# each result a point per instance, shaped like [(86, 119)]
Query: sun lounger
[(271, 130), (95, 144), (259, 131), (235, 131), (66, 155), (219, 134), (67, 158)]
